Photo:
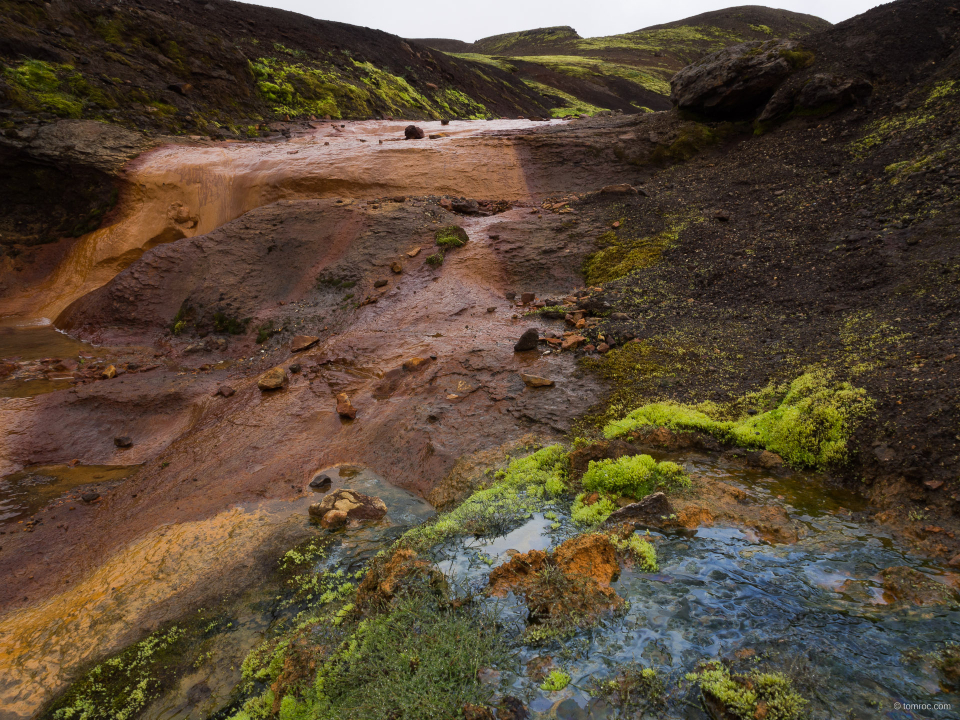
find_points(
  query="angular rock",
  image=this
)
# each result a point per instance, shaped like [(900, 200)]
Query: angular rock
[(465, 207), (343, 506), (225, 391), (536, 381), (303, 342), (109, 373), (89, 497), (572, 342), (820, 91), (527, 341), (320, 481), (739, 80), (396, 267), (412, 132), (380, 283), (769, 460), (528, 297), (414, 363), (413, 253), (272, 379), (345, 408)]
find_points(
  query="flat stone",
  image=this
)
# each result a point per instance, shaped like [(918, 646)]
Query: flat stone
[(380, 283), (272, 379), (225, 391), (124, 441), (414, 252), (303, 342), (621, 189), (414, 363), (90, 497), (536, 381), (652, 511)]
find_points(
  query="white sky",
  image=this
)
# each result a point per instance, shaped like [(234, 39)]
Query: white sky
[(470, 21)]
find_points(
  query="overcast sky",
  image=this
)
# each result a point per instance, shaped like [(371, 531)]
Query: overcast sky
[(472, 20)]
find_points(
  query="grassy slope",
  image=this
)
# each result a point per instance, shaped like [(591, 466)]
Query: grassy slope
[(629, 71)]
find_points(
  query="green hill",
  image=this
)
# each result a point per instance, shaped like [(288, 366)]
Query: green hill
[(625, 72)]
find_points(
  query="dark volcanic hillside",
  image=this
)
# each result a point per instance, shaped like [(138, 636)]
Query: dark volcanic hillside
[(223, 68), (625, 72)]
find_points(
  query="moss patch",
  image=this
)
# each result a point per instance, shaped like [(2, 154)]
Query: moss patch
[(451, 236), (808, 422), (634, 477), (524, 487), (766, 695)]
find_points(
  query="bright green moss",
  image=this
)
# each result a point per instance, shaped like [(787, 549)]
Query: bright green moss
[(38, 85), (523, 488), (641, 551), (435, 260), (767, 695), (635, 476), (451, 236), (624, 255), (555, 680), (808, 426), (573, 106), (594, 514)]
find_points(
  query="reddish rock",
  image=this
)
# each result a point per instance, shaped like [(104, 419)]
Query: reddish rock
[(535, 381), (303, 342), (345, 408), (109, 373), (272, 379), (414, 364), (527, 297), (343, 506), (412, 132)]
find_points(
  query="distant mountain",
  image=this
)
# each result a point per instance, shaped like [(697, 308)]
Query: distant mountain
[(623, 72)]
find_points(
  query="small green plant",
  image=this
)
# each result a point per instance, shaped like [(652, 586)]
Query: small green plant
[(633, 476), (555, 680), (642, 552), (451, 236), (435, 260), (225, 324), (756, 694)]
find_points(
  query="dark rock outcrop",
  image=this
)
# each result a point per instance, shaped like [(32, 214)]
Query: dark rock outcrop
[(737, 81)]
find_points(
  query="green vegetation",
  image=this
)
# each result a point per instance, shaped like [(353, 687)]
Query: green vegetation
[(435, 260), (767, 695), (521, 489), (121, 687), (652, 79), (808, 422), (622, 255), (420, 660), (634, 476), (798, 59), (639, 550), (555, 680), (36, 85), (295, 89), (692, 138), (451, 236), (223, 323), (634, 690), (574, 106)]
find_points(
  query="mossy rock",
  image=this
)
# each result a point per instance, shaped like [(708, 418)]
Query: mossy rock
[(451, 236)]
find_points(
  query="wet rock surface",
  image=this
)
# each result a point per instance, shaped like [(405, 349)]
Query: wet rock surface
[(343, 507)]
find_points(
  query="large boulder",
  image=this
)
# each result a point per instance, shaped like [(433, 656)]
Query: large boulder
[(822, 92), (737, 82), (412, 132)]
